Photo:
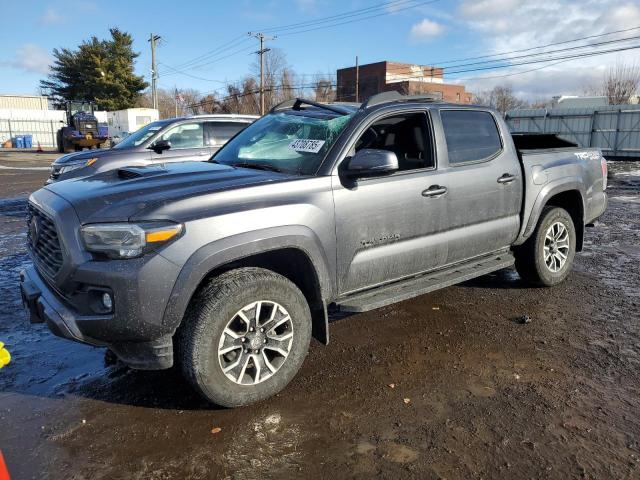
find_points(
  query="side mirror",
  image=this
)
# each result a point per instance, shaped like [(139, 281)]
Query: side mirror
[(371, 161), (160, 146)]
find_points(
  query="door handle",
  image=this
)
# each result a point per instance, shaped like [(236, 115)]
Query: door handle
[(506, 178), (202, 154), (434, 191)]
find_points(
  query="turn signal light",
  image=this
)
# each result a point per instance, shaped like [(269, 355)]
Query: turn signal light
[(164, 234)]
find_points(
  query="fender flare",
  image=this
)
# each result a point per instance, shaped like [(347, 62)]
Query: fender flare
[(548, 191), (236, 247)]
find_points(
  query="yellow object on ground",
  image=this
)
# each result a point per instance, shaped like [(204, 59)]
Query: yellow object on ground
[(5, 356)]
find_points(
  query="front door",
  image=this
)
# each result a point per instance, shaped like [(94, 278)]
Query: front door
[(387, 227)]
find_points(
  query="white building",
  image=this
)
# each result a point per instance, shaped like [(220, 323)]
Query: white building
[(24, 102), (573, 101)]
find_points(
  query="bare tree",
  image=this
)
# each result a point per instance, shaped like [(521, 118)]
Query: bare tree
[(323, 90), (166, 102), (620, 83), (187, 101), (210, 103), (501, 98)]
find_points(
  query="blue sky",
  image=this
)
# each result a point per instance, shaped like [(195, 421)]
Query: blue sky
[(440, 31)]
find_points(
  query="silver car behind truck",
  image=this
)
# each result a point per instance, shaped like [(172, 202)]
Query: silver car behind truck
[(228, 267), (173, 140)]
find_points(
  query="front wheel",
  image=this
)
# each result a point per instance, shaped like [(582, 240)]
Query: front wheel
[(245, 336), (546, 258)]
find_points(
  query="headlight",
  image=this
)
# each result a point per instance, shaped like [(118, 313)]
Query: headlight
[(127, 240)]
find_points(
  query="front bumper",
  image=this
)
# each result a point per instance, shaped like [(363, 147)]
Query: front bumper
[(43, 304)]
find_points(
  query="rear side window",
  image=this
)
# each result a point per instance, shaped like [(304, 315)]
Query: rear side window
[(471, 135), (218, 133)]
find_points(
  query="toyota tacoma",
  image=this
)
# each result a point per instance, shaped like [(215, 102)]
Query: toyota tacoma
[(227, 268)]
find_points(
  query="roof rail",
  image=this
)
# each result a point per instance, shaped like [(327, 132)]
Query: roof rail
[(296, 103), (394, 96)]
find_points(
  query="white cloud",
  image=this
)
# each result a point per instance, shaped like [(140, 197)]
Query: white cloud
[(51, 17), (507, 25), (625, 16), (425, 30), (31, 58), (309, 6), (471, 8)]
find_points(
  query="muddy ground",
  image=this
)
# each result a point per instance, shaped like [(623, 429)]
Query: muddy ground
[(476, 394)]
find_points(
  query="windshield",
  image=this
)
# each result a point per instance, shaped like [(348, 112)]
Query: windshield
[(138, 137), (285, 142)]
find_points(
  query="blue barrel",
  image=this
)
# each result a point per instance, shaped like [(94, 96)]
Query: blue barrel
[(28, 141), (18, 141)]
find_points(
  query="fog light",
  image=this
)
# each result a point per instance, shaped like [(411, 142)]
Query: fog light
[(107, 301)]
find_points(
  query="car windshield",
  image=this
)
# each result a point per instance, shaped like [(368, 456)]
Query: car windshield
[(138, 137), (287, 142)]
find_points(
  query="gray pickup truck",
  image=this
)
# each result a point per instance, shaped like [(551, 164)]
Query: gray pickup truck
[(229, 267)]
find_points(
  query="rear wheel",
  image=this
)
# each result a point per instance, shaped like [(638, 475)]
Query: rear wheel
[(245, 336), (546, 258), (60, 142)]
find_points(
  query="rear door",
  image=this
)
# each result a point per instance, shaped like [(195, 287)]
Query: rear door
[(389, 227), (187, 143), (484, 181), (217, 133)]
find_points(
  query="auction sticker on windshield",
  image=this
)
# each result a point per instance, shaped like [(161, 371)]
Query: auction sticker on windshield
[(306, 145)]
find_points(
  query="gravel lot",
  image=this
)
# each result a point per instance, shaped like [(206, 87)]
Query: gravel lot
[(447, 385)]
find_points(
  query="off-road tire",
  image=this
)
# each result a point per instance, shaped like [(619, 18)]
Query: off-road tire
[(207, 316), (60, 142), (530, 256)]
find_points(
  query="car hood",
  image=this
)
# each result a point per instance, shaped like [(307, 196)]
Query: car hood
[(86, 155), (125, 193)]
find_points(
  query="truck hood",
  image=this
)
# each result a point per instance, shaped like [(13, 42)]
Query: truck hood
[(99, 153), (119, 195)]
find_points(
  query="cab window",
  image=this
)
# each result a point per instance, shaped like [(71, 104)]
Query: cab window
[(218, 133), (471, 135), (407, 135)]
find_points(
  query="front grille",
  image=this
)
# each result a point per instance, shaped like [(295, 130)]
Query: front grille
[(42, 239), (85, 127)]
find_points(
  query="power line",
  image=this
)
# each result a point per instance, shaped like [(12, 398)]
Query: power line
[(397, 5), (565, 58), (219, 49), (357, 19), (179, 71), (537, 47), (577, 47), (340, 16)]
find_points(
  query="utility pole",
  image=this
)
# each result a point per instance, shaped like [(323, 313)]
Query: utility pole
[(262, 37), (176, 94), (154, 71), (357, 81)]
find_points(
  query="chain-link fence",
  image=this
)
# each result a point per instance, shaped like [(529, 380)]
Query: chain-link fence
[(43, 131)]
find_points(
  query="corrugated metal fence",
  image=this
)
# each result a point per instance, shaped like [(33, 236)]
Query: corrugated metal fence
[(43, 131), (614, 129)]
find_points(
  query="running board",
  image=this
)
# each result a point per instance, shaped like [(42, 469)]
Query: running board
[(428, 282)]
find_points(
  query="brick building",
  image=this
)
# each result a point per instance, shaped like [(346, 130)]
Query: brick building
[(403, 77)]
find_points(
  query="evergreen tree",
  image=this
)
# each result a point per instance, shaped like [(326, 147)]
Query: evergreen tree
[(99, 71)]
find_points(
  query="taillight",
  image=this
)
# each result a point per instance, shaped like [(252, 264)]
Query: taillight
[(605, 170)]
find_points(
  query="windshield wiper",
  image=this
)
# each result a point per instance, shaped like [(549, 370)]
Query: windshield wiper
[(257, 166)]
